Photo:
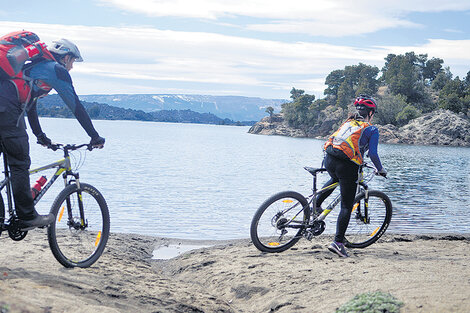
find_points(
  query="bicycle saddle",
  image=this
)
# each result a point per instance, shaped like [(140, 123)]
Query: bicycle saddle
[(313, 170)]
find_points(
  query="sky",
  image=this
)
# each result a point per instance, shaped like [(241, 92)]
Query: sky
[(256, 48)]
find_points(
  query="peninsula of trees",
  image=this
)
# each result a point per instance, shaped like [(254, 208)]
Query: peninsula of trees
[(408, 87)]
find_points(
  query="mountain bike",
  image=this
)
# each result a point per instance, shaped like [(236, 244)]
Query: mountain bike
[(79, 234), (287, 216)]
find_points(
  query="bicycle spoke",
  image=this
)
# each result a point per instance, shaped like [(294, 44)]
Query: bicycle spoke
[(364, 230), (279, 222), (75, 241), (78, 238)]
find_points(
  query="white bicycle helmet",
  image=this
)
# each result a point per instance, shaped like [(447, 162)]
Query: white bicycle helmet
[(63, 47)]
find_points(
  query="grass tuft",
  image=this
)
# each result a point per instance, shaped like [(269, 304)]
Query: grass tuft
[(4, 308), (372, 302)]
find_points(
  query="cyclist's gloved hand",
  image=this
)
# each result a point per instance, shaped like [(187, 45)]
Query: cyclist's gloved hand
[(43, 140), (382, 172), (97, 142)]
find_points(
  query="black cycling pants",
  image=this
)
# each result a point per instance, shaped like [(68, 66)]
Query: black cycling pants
[(16, 146), (346, 173)]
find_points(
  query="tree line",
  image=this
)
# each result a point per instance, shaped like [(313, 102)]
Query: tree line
[(409, 85), (53, 106)]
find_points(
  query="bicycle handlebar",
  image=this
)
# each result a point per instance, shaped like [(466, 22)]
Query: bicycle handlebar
[(69, 147), (369, 177)]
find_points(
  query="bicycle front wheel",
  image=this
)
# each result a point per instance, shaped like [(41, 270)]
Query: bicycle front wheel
[(279, 222), (365, 229), (81, 229)]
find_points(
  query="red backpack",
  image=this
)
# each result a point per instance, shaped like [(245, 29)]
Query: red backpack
[(18, 49)]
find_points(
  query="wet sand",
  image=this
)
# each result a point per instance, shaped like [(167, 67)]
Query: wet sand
[(429, 273)]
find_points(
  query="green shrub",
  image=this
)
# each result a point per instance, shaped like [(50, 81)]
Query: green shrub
[(389, 106), (372, 302), (4, 308), (406, 115)]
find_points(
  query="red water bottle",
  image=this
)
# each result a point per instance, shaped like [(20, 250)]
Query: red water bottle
[(38, 186)]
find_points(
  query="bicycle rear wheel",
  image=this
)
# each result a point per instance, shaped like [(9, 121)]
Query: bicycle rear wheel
[(279, 222), (79, 240), (362, 231)]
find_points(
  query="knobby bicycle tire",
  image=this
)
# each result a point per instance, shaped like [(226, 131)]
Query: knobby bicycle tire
[(274, 227), (361, 233), (76, 243)]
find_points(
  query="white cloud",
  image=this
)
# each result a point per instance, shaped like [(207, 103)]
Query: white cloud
[(443, 48), (453, 52), (330, 28), (455, 31), (321, 18), (281, 9), (213, 9), (146, 57)]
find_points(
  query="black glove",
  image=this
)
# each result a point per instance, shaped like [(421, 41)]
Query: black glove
[(382, 172), (43, 140), (97, 142)]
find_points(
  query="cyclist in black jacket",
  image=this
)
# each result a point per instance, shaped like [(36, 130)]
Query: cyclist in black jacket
[(46, 74)]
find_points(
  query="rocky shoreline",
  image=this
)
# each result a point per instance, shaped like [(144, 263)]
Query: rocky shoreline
[(441, 127)]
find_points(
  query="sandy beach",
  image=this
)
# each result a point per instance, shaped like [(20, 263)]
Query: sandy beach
[(428, 273)]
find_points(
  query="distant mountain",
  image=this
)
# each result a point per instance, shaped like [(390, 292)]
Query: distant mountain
[(53, 106), (236, 108)]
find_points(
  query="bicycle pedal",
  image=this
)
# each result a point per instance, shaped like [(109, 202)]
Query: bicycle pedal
[(308, 235)]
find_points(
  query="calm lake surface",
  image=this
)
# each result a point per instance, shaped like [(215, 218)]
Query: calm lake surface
[(193, 181)]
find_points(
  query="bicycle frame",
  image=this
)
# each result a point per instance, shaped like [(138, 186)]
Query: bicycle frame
[(64, 168), (361, 185), (73, 240), (61, 165), (330, 206), (311, 199)]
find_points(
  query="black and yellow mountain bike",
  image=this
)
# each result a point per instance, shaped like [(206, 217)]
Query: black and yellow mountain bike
[(79, 234), (287, 216)]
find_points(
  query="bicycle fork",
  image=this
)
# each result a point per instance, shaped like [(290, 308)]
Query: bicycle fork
[(82, 224), (364, 216)]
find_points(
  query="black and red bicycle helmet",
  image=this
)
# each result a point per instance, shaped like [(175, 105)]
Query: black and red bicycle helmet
[(365, 102)]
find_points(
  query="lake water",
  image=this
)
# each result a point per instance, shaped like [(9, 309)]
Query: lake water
[(195, 181)]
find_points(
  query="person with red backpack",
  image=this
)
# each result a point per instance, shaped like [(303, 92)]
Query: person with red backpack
[(28, 71), (344, 154)]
